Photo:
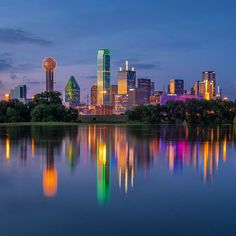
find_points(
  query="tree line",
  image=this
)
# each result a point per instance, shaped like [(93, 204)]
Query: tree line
[(46, 106), (193, 112)]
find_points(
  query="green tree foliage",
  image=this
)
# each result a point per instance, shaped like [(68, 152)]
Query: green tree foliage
[(48, 106), (14, 111), (191, 112), (48, 98), (45, 107)]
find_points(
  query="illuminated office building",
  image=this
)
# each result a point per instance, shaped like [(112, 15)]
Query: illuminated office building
[(103, 77), (202, 88), (152, 88), (156, 98), (219, 93), (138, 96), (132, 99), (195, 88), (72, 92), (49, 65), (209, 90), (114, 92), (126, 79), (93, 95), (206, 89), (176, 87), (19, 92), (143, 91), (121, 104), (210, 76)]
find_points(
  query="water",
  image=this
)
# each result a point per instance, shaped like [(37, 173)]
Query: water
[(117, 180)]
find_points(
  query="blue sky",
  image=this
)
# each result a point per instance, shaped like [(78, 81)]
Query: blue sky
[(162, 39)]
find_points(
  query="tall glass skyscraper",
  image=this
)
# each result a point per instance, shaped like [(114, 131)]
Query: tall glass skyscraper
[(144, 91), (19, 92), (103, 77), (72, 92), (176, 86), (210, 76), (126, 79), (93, 95)]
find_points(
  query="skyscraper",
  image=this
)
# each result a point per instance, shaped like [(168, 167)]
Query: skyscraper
[(145, 83), (206, 89), (144, 91), (72, 92), (93, 95), (196, 88), (49, 65), (121, 104), (152, 88), (176, 87), (113, 91), (103, 77), (211, 77), (19, 92), (126, 79)]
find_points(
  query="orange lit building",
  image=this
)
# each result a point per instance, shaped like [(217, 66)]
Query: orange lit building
[(126, 80)]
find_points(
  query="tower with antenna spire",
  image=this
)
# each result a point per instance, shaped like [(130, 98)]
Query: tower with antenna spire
[(126, 79), (219, 93)]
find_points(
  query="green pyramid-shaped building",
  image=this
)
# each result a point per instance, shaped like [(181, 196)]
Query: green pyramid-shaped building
[(72, 92)]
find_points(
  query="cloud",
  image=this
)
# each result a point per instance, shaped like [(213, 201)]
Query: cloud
[(13, 76), (18, 36), (147, 66), (7, 64), (139, 64)]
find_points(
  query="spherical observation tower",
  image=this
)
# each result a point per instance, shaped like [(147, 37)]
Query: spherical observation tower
[(49, 64)]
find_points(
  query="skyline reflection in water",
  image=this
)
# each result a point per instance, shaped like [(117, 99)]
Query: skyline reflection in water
[(116, 153)]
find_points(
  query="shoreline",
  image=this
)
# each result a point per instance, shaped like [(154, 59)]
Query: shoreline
[(128, 123), (69, 123)]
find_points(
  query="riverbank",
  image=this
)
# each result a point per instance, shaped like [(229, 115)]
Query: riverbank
[(68, 123)]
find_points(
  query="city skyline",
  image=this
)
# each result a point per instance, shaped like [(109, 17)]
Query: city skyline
[(183, 42)]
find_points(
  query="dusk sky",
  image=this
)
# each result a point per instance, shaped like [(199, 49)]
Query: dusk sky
[(162, 39)]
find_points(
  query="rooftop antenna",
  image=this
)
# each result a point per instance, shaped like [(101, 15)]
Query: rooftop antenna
[(127, 65)]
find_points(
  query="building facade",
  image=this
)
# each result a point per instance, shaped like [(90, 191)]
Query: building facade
[(121, 104), (138, 96), (156, 98), (72, 92), (19, 92), (196, 88), (210, 76), (206, 89), (143, 91), (103, 77), (93, 95), (126, 79), (176, 86), (152, 88), (114, 92)]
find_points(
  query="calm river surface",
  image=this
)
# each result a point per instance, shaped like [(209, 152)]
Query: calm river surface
[(117, 180)]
